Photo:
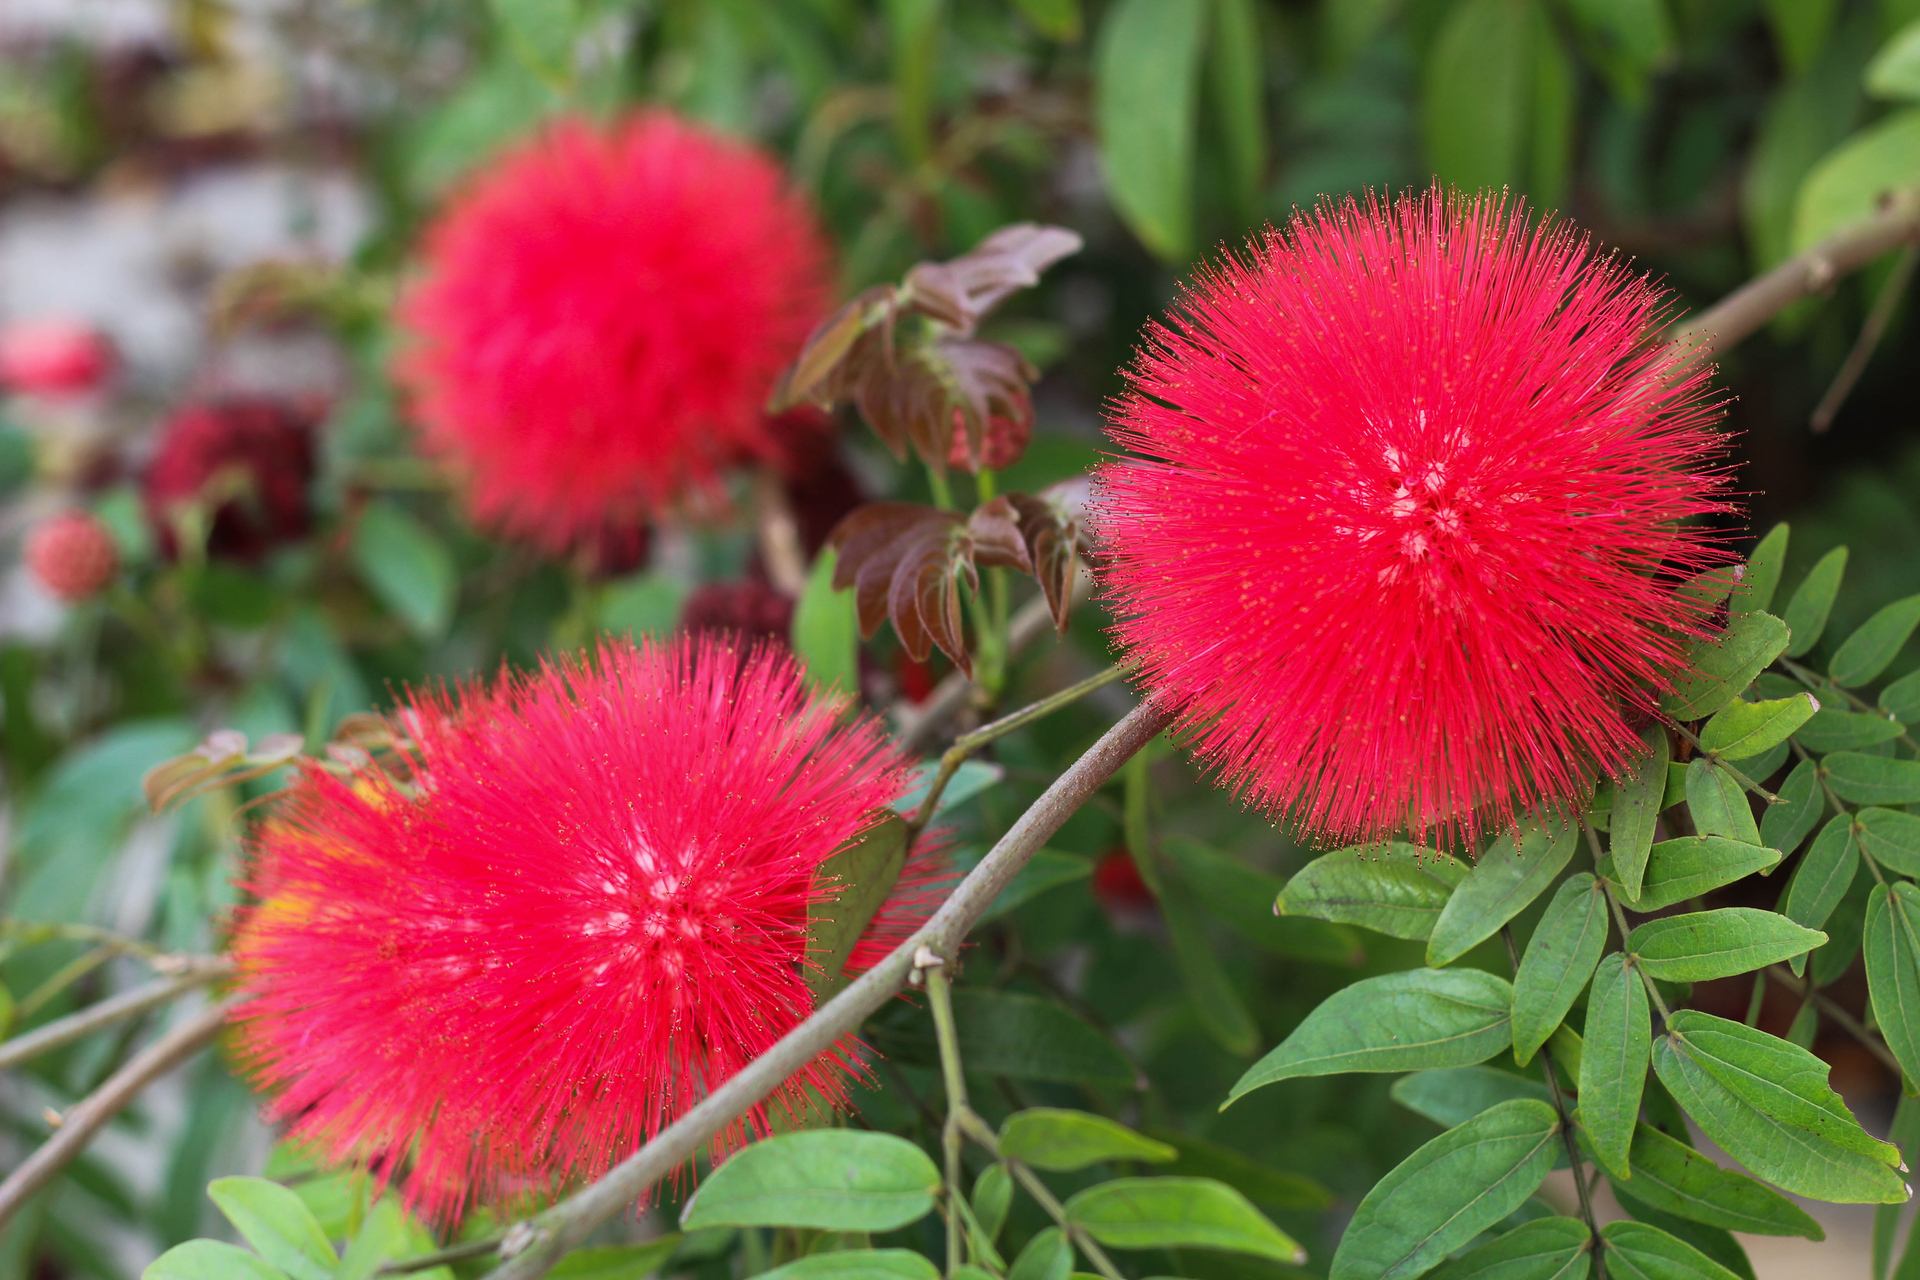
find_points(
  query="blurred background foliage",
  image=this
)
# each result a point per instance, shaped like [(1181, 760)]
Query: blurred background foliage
[(1707, 139)]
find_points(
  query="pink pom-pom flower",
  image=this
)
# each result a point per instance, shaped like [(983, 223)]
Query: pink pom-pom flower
[(578, 906), (72, 555), (1415, 485), (602, 316)]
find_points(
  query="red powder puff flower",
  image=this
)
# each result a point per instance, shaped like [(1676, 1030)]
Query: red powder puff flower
[(72, 555), (584, 910), (1415, 488), (245, 463), (53, 357), (603, 315)]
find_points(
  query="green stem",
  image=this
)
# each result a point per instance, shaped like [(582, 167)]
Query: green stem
[(947, 1036), (1815, 682), (1840, 807), (976, 1129), (1620, 922), (1746, 783), (941, 489)]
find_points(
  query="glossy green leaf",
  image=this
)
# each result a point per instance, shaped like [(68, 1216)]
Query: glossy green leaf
[(1833, 729), (1702, 945), (1895, 70), (1172, 1213), (1637, 802), (1784, 825), (1146, 82), (1892, 948), (1047, 1256), (1824, 873), (858, 881), (1454, 1095), (1717, 803), (1508, 876), (1671, 1176), (1873, 780), (1449, 1191), (1767, 1104), (1812, 601), (1056, 1139), (1688, 866), (1846, 187), (1637, 1251), (1559, 959), (406, 566), (1891, 838), (1613, 1061), (1544, 1249), (1743, 729), (1763, 573), (851, 1264), (209, 1260), (1395, 889), (280, 1228), (1866, 653), (1720, 669), (829, 1179), (826, 629), (1395, 1022)]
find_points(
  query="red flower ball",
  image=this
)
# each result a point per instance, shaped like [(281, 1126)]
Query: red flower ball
[(1415, 489), (603, 315), (53, 357), (584, 910), (247, 464), (72, 555)]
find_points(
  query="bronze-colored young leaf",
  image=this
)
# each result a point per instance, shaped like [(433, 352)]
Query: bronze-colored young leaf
[(904, 563), (1052, 535), (962, 290)]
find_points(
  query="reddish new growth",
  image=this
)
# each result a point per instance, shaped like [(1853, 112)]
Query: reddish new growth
[(241, 466), (72, 555), (583, 908), (1415, 488), (603, 315)]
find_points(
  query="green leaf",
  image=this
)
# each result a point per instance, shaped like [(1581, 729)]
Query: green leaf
[(849, 1264), (629, 1261), (1454, 1095), (1895, 70), (856, 883), (1807, 611), (1277, 1189), (1742, 729), (1846, 187), (1672, 1177), (1449, 1191), (1019, 1036), (1210, 992), (1172, 1213), (1688, 866), (1892, 946), (1763, 573), (1047, 870), (1047, 1256), (406, 567), (209, 1260), (645, 604), (1059, 1140), (829, 1179), (1395, 889), (1559, 959), (992, 1199), (1767, 1104), (1875, 780), (1822, 877), (1475, 94), (1636, 1251), (1863, 655), (1544, 1249), (1508, 876), (1784, 825), (1242, 898), (1891, 839), (1717, 804), (1720, 669), (826, 630), (273, 1220), (1637, 802), (1054, 19), (1394, 1022), (1236, 71), (1702, 945), (541, 34), (1146, 83), (1901, 699), (1613, 1061), (1831, 729)]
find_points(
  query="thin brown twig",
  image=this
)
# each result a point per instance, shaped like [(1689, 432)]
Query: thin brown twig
[(1885, 304)]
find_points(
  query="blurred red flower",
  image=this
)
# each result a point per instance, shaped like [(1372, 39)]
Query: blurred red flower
[(244, 463), (1416, 484), (72, 555), (586, 909), (53, 357), (602, 317)]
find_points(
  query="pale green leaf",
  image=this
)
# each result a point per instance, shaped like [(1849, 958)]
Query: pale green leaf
[(1895, 70), (1892, 948), (828, 1179), (1688, 866), (406, 566), (1508, 876), (209, 1260), (1559, 959), (1702, 945), (1824, 873), (1670, 1176), (1170, 1213), (1613, 1061), (826, 630), (1763, 573), (1863, 655), (1720, 669), (1395, 889), (1544, 1249), (1784, 825), (1637, 802), (1891, 838), (1637, 1251), (280, 1228), (1742, 729), (1873, 780), (1807, 610), (1056, 1139), (1146, 81), (1846, 187), (851, 1264)]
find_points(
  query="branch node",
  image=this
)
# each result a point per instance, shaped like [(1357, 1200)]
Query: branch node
[(53, 1119), (520, 1237)]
